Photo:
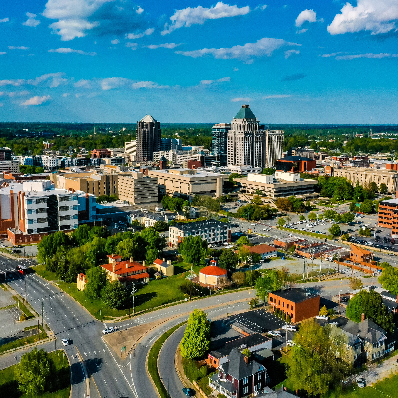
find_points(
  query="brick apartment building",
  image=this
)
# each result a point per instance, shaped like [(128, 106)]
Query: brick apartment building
[(295, 164), (388, 215), (100, 153), (298, 303)]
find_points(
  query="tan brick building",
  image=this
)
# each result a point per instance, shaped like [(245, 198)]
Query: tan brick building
[(298, 303), (138, 190)]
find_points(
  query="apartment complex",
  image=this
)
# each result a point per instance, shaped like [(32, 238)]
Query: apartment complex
[(388, 215), (219, 141), (279, 185), (249, 145), (295, 164), (130, 148), (363, 176), (188, 182), (91, 182), (212, 231), (148, 138), (138, 190), (9, 166)]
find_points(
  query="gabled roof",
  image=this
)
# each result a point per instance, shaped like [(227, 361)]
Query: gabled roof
[(261, 249), (359, 250), (238, 368), (213, 270), (124, 267), (148, 118), (366, 330), (245, 113), (162, 263)]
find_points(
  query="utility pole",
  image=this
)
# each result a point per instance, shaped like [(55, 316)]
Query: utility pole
[(25, 289), (133, 291), (42, 315)]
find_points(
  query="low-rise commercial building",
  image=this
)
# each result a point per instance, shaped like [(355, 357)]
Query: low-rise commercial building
[(265, 251), (297, 303), (9, 166), (295, 164), (188, 182), (212, 231), (363, 176), (281, 184), (138, 190)]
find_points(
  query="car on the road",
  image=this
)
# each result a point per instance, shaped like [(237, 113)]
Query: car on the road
[(108, 330), (274, 333), (291, 328), (65, 342), (189, 392)]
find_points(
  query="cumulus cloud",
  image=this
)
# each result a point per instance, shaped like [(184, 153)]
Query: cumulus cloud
[(305, 16), (288, 53), (13, 94), (70, 51), (18, 48), (133, 36), (375, 16), (32, 21), (77, 18), (197, 16), (263, 47), (12, 82), (164, 45), (241, 99), (133, 46), (36, 100), (4, 20), (295, 76), (83, 83), (115, 41), (276, 96), (208, 82), (114, 82), (51, 80)]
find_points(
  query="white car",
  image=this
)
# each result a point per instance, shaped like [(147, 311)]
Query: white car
[(291, 328), (274, 333), (323, 317), (290, 343), (65, 342)]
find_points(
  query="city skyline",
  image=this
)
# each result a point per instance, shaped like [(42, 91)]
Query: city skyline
[(115, 61)]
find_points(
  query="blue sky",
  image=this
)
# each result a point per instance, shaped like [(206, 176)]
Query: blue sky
[(326, 61)]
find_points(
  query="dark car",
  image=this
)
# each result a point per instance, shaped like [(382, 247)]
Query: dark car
[(188, 392)]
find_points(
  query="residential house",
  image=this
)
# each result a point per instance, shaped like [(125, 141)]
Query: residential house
[(213, 275), (164, 267), (265, 251), (239, 377), (125, 271)]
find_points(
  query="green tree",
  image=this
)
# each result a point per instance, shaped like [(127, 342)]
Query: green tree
[(281, 222), (268, 171), (323, 311), (371, 305), (335, 230), (161, 226), (196, 340), (302, 217), (346, 218), (238, 278), (383, 189), (115, 295), (318, 360), (192, 249), (243, 240), (389, 279), (35, 373), (96, 281), (355, 283), (257, 200), (366, 206), (267, 283), (353, 207), (228, 260)]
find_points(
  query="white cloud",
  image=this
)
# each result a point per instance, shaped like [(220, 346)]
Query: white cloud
[(208, 82), (116, 41), (331, 55), (235, 69), (375, 16), (139, 10), (262, 7), (241, 99), (114, 82), (36, 100), (83, 83), (2, 53), (263, 47), (192, 16), (133, 36), (370, 56), (65, 95), (276, 96), (288, 53), (52, 80), (302, 31), (4, 20), (77, 18), (146, 84), (133, 46), (12, 82), (13, 94), (164, 45), (305, 16), (18, 48), (70, 51), (32, 21)]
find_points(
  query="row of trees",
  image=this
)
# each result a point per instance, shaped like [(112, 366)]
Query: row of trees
[(70, 254), (292, 204)]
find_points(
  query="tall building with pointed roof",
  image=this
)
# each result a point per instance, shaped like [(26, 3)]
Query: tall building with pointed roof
[(249, 145), (148, 138)]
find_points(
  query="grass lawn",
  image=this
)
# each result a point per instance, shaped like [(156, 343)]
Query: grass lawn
[(24, 341), (9, 386), (154, 294)]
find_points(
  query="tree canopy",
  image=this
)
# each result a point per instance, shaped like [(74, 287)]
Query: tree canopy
[(371, 305), (115, 295), (389, 279), (228, 260), (193, 249), (268, 282), (96, 281), (196, 340)]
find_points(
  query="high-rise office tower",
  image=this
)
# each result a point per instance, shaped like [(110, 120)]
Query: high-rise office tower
[(249, 145), (148, 138), (219, 141)]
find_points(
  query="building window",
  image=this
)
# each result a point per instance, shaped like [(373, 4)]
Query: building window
[(245, 390), (245, 380)]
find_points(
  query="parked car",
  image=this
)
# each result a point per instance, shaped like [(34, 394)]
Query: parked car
[(361, 382), (189, 392), (65, 342), (291, 328), (323, 317), (274, 333)]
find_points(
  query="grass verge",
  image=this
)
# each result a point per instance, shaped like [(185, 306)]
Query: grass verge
[(23, 308), (24, 341), (153, 360), (9, 385)]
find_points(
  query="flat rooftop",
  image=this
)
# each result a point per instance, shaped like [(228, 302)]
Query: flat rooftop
[(296, 295)]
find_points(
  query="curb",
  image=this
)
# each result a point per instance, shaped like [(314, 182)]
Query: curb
[(150, 377)]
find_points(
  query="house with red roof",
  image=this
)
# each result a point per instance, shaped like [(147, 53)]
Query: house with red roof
[(126, 272), (213, 275), (265, 251), (166, 268)]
